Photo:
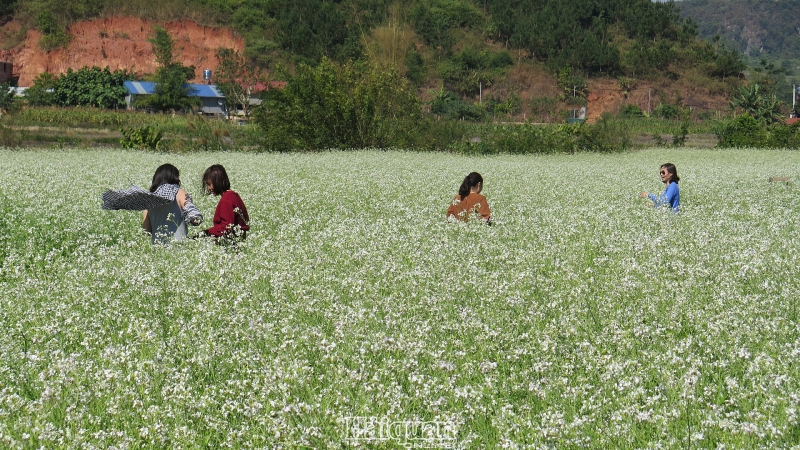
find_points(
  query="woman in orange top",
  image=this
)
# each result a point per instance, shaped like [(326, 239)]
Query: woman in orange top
[(470, 201)]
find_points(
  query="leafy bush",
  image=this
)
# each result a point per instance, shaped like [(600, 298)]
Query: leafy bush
[(94, 87), (743, 131), (761, 105), (8, 98), (42, 91), (666, 111), (433, 21), (333, 106), (144, 138), (630, 110), (679, 138), (605, 136)]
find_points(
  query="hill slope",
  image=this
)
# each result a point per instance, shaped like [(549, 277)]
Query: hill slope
[(119, 43), (754, 27)]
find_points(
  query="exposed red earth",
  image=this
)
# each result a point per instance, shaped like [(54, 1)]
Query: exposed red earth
[(120, 43)]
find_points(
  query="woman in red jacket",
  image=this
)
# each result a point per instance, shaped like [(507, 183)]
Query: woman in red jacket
[(230, 218)]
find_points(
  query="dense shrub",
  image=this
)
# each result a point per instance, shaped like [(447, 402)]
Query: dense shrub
[(144, 138), (333, 106), (94, 86), (630, 110), (742, 131), (746, 131), (666, 111), (607, 135)]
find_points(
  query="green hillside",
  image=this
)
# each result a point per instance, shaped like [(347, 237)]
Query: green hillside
[(616, 37), (755, 27)]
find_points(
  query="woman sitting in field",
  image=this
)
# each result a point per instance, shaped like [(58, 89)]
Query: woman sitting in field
[(169, 221), (230, 218), (470, 201), (672, 194)]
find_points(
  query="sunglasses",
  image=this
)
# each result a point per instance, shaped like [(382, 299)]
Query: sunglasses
[(663, 172)]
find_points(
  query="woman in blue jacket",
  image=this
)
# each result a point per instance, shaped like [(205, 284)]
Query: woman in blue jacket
[(671, 195)]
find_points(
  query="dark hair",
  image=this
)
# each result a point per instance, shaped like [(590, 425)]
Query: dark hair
[(470, 181), (219, 179), (673, 170), (165, 174)]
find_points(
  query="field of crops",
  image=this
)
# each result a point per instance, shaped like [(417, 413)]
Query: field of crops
[(354, 315)]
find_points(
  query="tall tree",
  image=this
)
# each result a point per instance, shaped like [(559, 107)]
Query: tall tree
[(236, 78), (171, 77)]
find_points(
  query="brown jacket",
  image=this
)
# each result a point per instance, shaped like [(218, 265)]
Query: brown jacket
[(474, 203)]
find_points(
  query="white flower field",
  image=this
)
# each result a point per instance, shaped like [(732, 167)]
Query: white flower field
[(355, 316)]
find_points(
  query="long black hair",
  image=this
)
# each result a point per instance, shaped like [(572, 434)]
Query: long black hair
[(673, 170), (470, 181), (165, 174)]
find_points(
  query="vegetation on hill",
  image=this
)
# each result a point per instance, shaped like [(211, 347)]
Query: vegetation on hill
[(444, 54), (755, 27), (463, 40)]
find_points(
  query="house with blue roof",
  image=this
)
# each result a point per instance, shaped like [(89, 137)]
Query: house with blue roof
[(212, 101)]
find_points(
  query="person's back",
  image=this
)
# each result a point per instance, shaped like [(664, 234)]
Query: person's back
[(167, 223), (473, 203)]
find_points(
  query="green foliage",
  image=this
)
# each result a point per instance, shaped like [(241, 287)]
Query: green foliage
[(666, 111), (204, 134), (451, 106), (144, 138), (470, 69), (339, 106), (171, 92), (435, 21), (761, 106), (728, 63), (679, 138), (53, 34), (236, 78), (545, 108), (94, 86), (743, 131), (7, 8), (42, 92), (647, 57), (630, 110), (415, 67), (310, 29), (607, 135), (8, 98), (775, 22), (746, 131), (503, 107), (571, 84)]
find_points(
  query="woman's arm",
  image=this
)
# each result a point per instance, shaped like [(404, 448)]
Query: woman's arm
[(190, 213), (666, 198), (146, 222)]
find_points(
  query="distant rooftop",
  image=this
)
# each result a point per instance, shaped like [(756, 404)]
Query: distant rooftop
[(195, 90)]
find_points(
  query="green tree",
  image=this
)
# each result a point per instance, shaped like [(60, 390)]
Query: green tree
[(728, 63), (759, 105), (171, 91), (53, 34), (42, 93), (7, 97), (236, 78), (93, 87), (339, 106)]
